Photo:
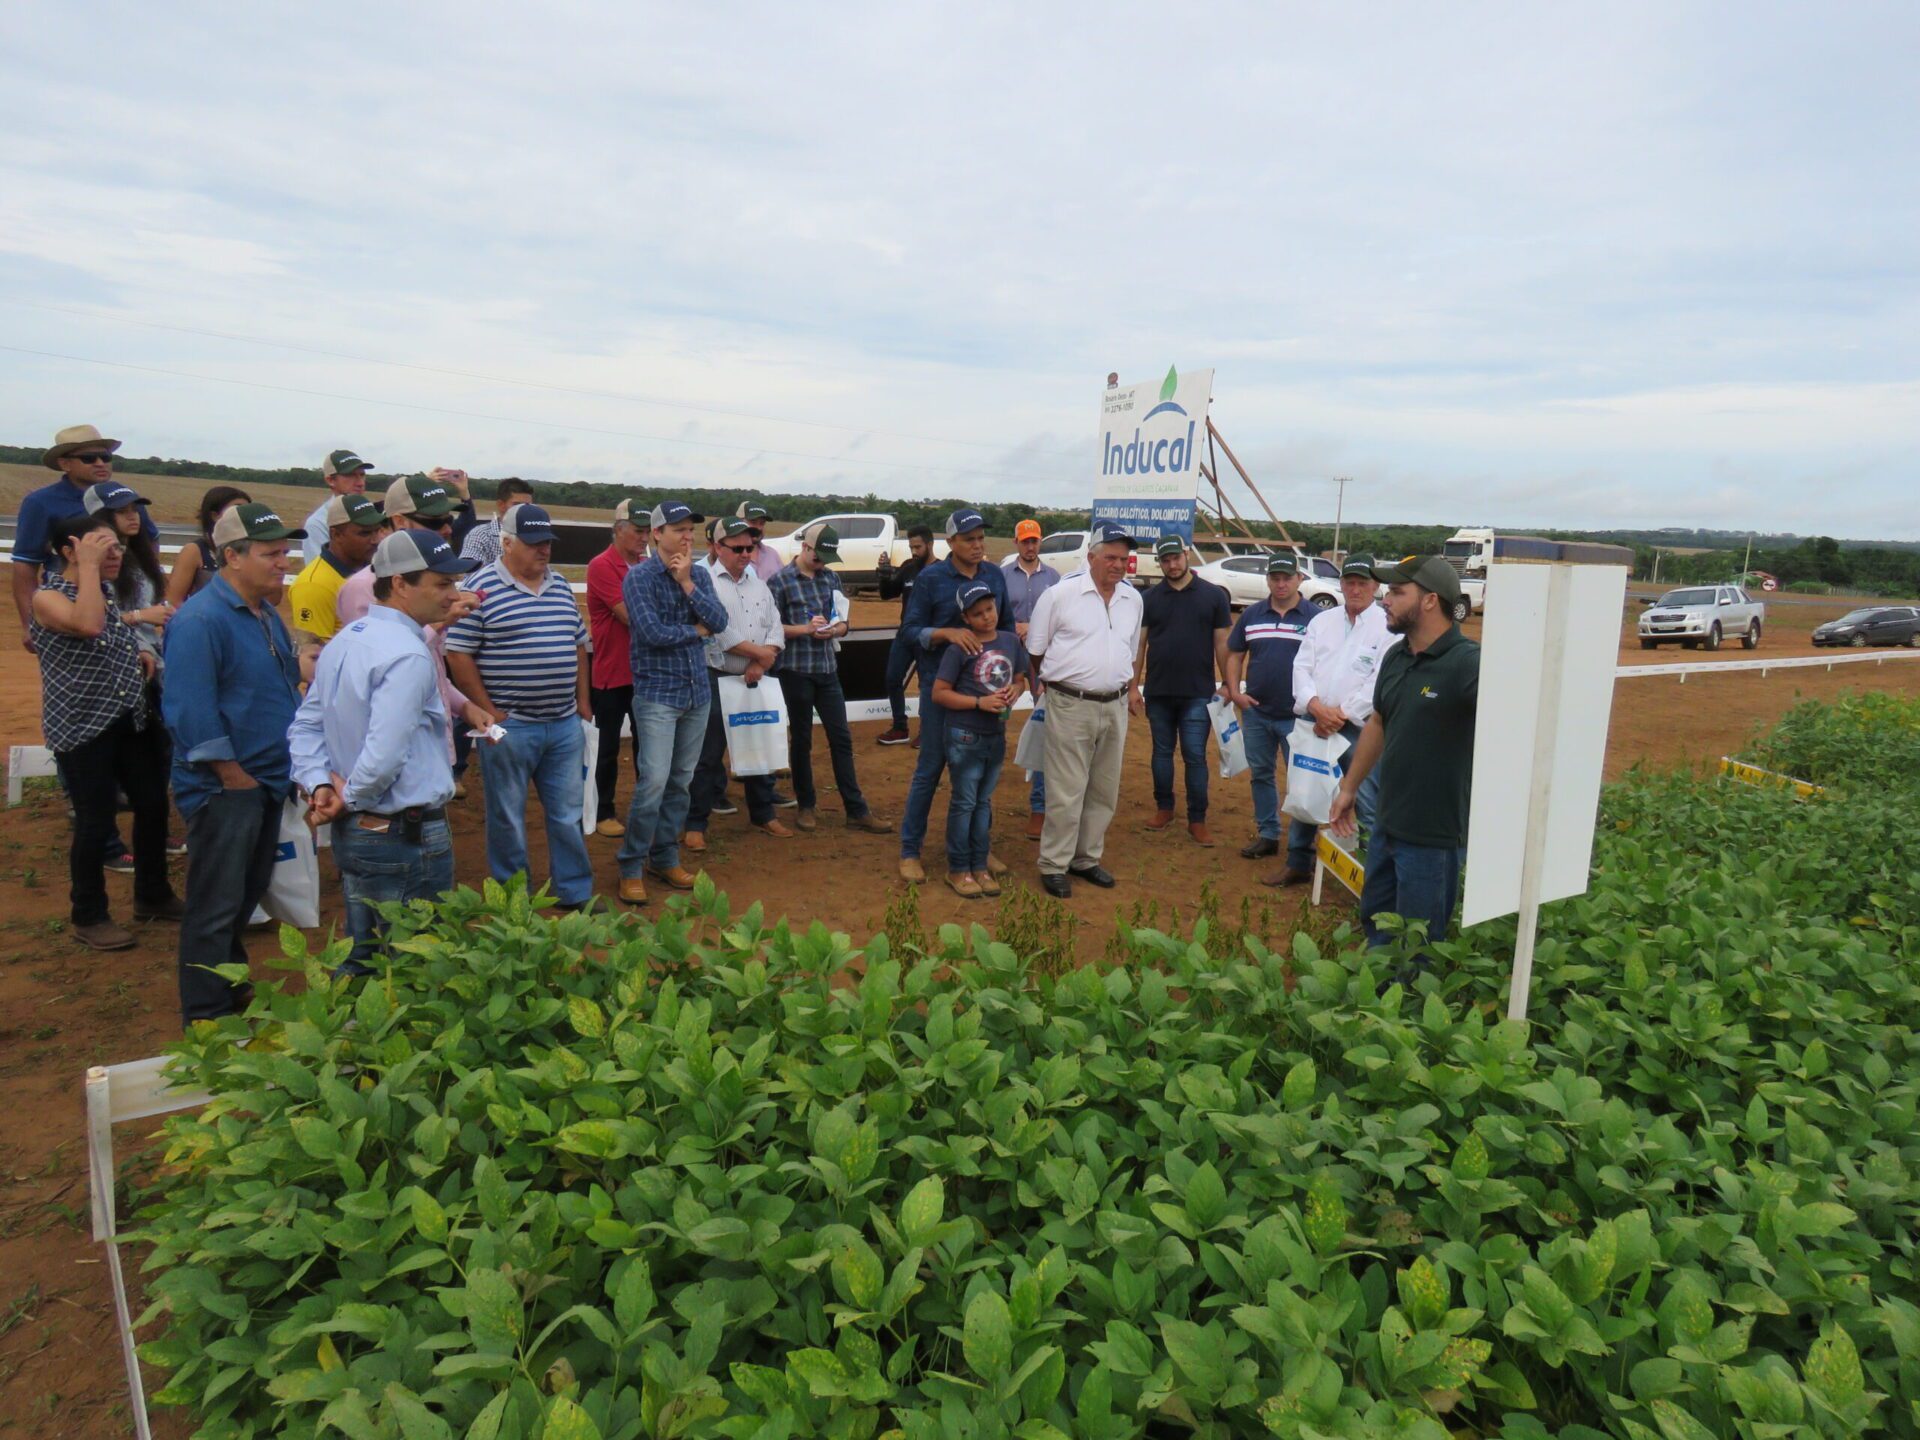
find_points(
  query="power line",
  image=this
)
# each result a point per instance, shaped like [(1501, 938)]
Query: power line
[(731, 414), (752, 450)]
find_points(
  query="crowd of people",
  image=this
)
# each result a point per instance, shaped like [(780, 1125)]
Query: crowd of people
[(422, 635)]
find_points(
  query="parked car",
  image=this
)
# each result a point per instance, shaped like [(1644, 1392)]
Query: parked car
[(1872, 625), (863, 540), (1244, 578), (1700, 617)]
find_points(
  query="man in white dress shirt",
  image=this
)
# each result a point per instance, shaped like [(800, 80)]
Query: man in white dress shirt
[(1335, 667), (1084, 637)]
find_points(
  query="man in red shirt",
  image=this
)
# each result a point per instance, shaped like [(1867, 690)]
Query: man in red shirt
[(610, 682)]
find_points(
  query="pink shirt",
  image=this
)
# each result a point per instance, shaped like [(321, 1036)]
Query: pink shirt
[(356, 598)]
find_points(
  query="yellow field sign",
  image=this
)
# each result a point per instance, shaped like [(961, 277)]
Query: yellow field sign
[(1339, 862), (1754, 775)]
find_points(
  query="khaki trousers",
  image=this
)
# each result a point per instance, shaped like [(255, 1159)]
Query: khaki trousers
[(1086, 741)]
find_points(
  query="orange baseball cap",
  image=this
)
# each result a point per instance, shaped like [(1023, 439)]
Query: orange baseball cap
[(1027, 530)]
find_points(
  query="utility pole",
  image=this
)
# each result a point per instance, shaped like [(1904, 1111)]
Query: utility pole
[(1339, 509), (1746, 565)]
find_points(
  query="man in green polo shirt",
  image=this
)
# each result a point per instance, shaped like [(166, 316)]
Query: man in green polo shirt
[(1421, 736)]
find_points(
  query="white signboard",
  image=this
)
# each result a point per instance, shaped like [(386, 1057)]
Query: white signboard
[(1523, 643), (1151, 436)]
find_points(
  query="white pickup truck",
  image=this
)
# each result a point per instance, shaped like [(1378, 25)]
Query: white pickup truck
[(863, 540), (1701, 617)]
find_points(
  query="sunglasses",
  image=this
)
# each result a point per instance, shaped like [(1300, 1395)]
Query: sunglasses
[(94, 459), (740, 549)]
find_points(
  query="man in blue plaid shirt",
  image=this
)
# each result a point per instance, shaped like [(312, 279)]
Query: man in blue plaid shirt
[(671, 610), (805, 591)]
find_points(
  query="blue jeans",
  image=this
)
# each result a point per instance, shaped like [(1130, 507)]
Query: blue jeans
[(1184, 719), (666, 741), (1415, 882), (549, 755), (1266, 741), (387, 866), (973, 764), (926, 774), (232, 841), (1037, 795), (902, 657)]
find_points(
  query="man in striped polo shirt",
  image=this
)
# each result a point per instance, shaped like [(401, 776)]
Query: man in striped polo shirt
[(1260, 656), (522, 656)]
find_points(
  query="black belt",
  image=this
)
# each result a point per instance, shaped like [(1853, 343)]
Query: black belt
[(1098, 697), (413, 814)]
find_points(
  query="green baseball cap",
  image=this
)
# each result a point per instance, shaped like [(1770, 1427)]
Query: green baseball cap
[(1169, 545), (419, 495), (251, 522), (824, 539), (1430, 572), (1282, 565), (344, 462), (728, 526), (354, 510), (1361, 565)]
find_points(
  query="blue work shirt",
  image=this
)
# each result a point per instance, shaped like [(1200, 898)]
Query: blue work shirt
[(233, 684), (374, 716), (935, 605), (34, 524), (669, 655)]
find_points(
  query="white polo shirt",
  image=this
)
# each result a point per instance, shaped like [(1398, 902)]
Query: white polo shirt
[(1339, 659), (1081, 640)]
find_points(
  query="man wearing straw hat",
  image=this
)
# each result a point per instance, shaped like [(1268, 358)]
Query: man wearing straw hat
[(83, 457)]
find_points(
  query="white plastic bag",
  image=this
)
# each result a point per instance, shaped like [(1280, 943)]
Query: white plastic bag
[(589, 792), (755, 720), (1313, 773), (1030, 750), (293, 895), (1225, 716)]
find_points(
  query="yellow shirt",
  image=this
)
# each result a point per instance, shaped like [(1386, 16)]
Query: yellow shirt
[(314, 592)]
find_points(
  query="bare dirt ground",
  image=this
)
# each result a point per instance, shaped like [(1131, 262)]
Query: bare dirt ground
[(63, 1008)]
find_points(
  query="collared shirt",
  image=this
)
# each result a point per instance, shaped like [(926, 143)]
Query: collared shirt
[(314, 593), (935, 605), (525, 641), (1427, 703), (1083, 641), (1024, 590), (799, 598), (482, 542), (752, 618), (669, 655), (233, 684), (356, 599), (1269, 639), (32, 527), (897, 583), (1339, 661), (87, 682), (766, 561), (373, 714), (612, 645), (1180, 625)]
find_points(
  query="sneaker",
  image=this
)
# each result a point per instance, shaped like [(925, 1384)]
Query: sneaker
[(724, 806), (895, 735), (103, 935), (121, 864), (176, 845), (783, 801)]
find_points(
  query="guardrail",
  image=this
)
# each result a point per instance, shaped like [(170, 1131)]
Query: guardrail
[(1791, 662)]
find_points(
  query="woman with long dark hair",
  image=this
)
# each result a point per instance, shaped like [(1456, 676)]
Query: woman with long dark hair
[(197, 562), (140, 587)]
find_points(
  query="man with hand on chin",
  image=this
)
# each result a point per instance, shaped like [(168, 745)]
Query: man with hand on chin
[(369, 743)]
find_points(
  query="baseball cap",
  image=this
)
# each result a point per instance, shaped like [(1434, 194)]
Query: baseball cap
[(251, 522), (1108, 533), (1430, 572), (1169, 545), (408, 552), (344, 462), (674, 512), (751, 510), (625, 511), (418, 495), (528, 524), (725, 527), (353, 510), (1282, 565), (824, 539), (1027, 530), (1361, 565), (960, 522), (110, 495), (971, 595)]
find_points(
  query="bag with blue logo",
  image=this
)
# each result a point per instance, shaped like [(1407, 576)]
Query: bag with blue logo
[(1225, 716), (755, 720), (1313, 773), (1030, 751), (293, 895)]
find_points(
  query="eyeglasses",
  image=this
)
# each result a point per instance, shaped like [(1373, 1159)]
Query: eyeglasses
[(740, 549), (756, 534), (94, 459)]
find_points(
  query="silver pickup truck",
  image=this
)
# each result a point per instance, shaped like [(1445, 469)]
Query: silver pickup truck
[(1702, 617)]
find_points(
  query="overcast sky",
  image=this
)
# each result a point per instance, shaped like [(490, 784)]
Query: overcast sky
[(1534, 264)]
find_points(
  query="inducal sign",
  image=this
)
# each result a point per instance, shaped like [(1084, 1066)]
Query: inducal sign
[(1151, 436)]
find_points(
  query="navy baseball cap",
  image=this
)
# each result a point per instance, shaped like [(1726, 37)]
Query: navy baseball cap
[(1108, 533), (528, 524), (960, 522), (1282, 565), (110, 495), (971, 595), (674, 512), (408, 552)]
